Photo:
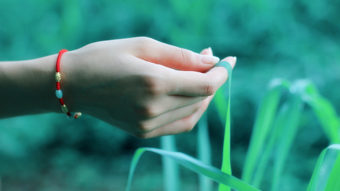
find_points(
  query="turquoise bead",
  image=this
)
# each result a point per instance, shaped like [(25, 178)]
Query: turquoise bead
[(59, 94)]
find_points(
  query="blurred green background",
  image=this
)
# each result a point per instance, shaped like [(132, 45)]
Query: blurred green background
[(290, 39)]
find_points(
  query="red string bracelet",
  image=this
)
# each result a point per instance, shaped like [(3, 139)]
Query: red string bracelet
[(58, 91)]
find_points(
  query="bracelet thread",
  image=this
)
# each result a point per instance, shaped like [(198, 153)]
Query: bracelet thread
[(59, 93)]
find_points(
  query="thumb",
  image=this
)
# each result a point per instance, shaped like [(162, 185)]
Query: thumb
[(174, 57)]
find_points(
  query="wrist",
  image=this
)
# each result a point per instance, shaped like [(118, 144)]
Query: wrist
[(27, 87), (65, 98), (69, 81), (45, 84)]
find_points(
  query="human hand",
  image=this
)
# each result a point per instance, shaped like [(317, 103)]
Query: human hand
[(142, 86)]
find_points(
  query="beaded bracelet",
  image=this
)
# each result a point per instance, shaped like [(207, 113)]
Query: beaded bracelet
[(59, 93)]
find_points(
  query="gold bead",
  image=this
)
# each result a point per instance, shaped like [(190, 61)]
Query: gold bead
[(64, 108), (57, 77), (77, 115)]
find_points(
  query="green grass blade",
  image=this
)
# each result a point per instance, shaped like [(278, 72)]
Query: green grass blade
[(170, 168), (204, 151), (333, 182), (194, 165), (317, 169), (326, 173), (269, 146), (287, 135), (263, 123), (324, 111), (286, 127), (220, 103), (226, 165), (327, 117)]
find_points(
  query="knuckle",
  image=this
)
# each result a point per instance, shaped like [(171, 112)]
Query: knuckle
[(153, 85), (144, 127), (186, 55), (146, 110), (144, 39), (209, 89), (146, 43), (151, 111)]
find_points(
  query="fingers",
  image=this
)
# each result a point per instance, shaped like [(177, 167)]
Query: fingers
[(188, 83), (231, 60), (175, 102), (180, 126), (173, 57), (185, 83), (168, 117), (199, 84), (166, 103)]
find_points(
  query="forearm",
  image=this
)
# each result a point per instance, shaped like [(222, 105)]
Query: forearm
[(27, 87)]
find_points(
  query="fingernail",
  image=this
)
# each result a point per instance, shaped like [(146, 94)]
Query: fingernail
[(206, 59), (210, 50)]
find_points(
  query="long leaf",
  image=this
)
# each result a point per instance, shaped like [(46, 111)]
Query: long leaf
[(287, 119), (287, 135), (220, 102), (326, 173), (226, 165), (264, 121), (324, 111), (269, 146), (194, 165), (333, 182), (170, 168), (204, 151)]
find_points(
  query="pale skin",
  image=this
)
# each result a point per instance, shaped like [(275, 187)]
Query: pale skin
[(142, 86)]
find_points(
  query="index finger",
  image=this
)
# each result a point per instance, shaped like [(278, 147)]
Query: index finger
[(173, 57), (199, 84)]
